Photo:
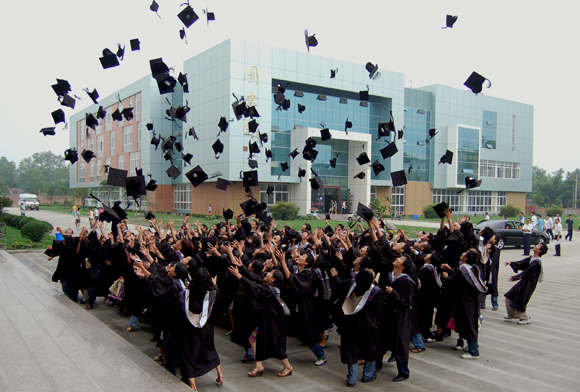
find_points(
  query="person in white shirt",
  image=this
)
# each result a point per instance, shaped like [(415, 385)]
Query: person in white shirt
[(522, 219), (549, 225), (527, 229), (486, 216), (557, 235), (534, 219)]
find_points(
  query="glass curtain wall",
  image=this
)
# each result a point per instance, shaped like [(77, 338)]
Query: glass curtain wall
[(417, 154), (468, 154)]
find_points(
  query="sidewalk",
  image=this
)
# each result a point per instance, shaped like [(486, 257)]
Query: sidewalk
[(50, 343)]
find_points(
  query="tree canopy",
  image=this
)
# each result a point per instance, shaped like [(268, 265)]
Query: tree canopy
[(43, 172), (557, 188)]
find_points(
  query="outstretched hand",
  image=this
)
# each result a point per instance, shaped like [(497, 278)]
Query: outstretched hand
[(234, 271)]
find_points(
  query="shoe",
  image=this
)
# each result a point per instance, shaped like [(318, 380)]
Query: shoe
[(439, 337), (459, 345), (285, 374), (481, 318), (391, 358), (325, 345), (229, 333), (469, 356), (495, 308), (429, 340), (418, 350), (482, 307), (350, 385), (255, 373), (372, 378), (320, 361), (525, 321), (399, 378), (247, 359)]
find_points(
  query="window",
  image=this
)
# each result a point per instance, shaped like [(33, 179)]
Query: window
[(182, 197), (139, 136), (280, 193), (138, 107), (112, 142), (489, 130), (471, 201), (81, 125), (108, 161), (468, 154), (99, 127), (121, 163), (373, 192), (91, 144), (92, 171), (108, 120), (449, 196), (100, 145), (135, 160), (81, 172), (398, 199), (498, 169), (127, 138)]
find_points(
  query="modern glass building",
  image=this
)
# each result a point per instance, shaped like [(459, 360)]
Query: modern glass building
[(491, 138)]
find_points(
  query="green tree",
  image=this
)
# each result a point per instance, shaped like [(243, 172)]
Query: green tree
[(42, 168), (81, 193), (349, 199), (8, 172)]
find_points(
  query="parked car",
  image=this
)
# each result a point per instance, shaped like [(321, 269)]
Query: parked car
[(29, 200), (509, 233)]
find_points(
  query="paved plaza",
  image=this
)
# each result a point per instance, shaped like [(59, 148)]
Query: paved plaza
[(53, 344)]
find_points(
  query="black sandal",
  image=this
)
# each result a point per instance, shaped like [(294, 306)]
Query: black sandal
[(418, 350)]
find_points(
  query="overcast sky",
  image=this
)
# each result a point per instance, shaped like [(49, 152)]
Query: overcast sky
[(528, 49)]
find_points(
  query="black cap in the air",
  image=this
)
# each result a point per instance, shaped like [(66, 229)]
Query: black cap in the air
[(250, 178), (252, 163), (347, 126), (364, 212), (284, 166), (363, 158), (398, 178), (135, 44), (48, 131), (294, 153), (71, 155), (309, 153), (440, 209), (316, 182), (218, 148), (109, 59), (373, 69), (88, 155), (188, 16), (447, 158), (116, 177), (151, 185), (135, 186), (61, 87), (449, 22), (101, 113), (173, 172), (91, 121), (475, 82), (196, 176), (228, 214), (301, 108), (93, 94), (222, 184), (325, 134), (68, 101), (361, 175), (377, 167), (310, 40), (301, 172), (117, 116), (388, 151), (363, 95), (58, 116)]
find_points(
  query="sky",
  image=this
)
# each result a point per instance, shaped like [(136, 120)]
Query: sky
[(527, 49)]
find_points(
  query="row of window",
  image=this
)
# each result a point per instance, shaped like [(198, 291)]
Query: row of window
[(182, 197), (471, 201), (134, 102), (498, 169)]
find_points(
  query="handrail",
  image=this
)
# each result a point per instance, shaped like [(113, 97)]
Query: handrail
[(3, 236)]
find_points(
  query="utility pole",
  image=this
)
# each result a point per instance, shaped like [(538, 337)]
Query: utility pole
[(576, 189)]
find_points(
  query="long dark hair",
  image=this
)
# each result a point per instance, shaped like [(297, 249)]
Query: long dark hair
[(200, 283), (472, 256)]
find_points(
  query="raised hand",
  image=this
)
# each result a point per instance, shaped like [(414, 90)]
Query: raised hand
[(333, 272), (234, 271)]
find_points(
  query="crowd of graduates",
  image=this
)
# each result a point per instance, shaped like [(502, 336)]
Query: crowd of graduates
[(380, 290)]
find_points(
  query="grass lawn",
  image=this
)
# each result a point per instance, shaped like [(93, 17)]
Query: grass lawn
[(15, 240)]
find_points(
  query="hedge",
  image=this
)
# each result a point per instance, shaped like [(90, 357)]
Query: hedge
[(429, 212), (284, 211), (34, 230)]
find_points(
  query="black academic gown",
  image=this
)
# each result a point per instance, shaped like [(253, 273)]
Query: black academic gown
[(397, 320), (522, 291), (271, 336), (493, 273), (360, 335), (245, 316), (467, 304), (427, 297), (302, 286)]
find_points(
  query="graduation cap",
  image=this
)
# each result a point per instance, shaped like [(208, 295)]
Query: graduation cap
[(270, 190), (252, 112), (449, 22), (301, 108), (228, 214), (294, 153), (325, 134), (218, 148), (48, 131), (310, 142), (188, 16), (158, 68), (250, 178), (361, 175), (284, 166), (109, 214), (150, 215), (91, 121), (254, 149), (87, 155), (128, 114), (253, 164), (263, 137), (388, 151), (279, 97), (398, 178), (223, 124), (117, 116), (71, 155), (400, 132), (61, 87), (286, 104), (377, 167), (68, 101), (301, 173), (440, 209), (384, 130), (363, 158), (364, 212), (101, 113), (166, 84), (447, 158), (222, 184), (373, 71), (168, 143), (333, 163), (192, 133), (268, 154), (196, 176), (316, 182), (93, 94), (149, 126), (182, 79), (475, 82), (173, 172), (182, 35), (432, 133), (121, 213), (154, 6), (470, 183), (58, 116), (309, 153), (135, 186), (347, 126), (186, 158), (109, 59), (168, 156), (178, 113), (333, 73), (135, 44), (363, 95), (116, 177), (249, 206), (155, 141), (310, 40), (120, 52), (178, 146), (151, 186), (253, 126), (239, 108)]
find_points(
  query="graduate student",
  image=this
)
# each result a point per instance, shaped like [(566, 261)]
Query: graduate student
[(517, 298)]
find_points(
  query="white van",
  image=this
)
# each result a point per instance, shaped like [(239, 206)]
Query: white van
[(30, 201)]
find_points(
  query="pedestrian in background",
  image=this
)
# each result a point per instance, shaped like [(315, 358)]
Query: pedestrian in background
[(549, 225), (557, 235), (570, 227), (540, 224), (527, 229), (522, 219)]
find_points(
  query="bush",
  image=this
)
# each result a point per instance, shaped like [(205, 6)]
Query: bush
[(509, 211), (553, 210), (23, 221), (34, 231), (7, 218), (16, 220), (429, 212), (284, 211), (307, 217), (5, 202)]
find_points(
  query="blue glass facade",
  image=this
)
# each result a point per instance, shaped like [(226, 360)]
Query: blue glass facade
[(467, 154), (489, 130), (417, 152)]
